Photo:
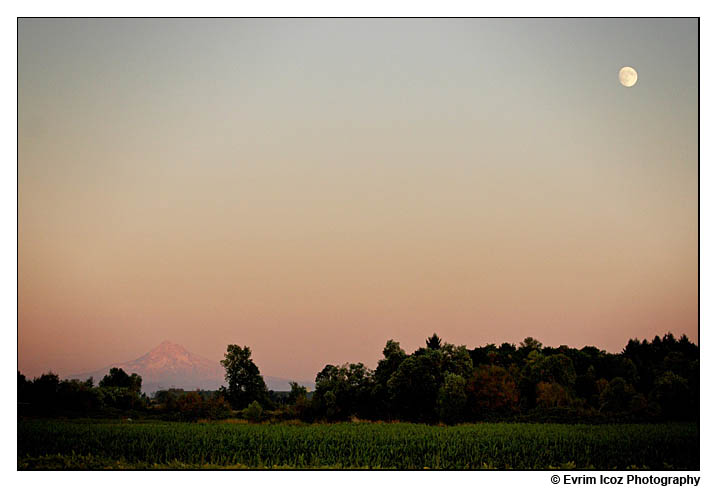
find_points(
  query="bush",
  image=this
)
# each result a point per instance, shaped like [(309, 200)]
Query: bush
[(253, 412), (191, 406), (452, 399)]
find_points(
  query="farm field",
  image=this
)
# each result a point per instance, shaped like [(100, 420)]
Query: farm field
[(74, 444)]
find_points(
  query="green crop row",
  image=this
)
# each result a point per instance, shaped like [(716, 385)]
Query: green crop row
[(358, 445)]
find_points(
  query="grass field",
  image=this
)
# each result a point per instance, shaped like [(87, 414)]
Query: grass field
[(57, 444)]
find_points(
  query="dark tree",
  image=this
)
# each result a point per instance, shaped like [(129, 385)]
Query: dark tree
[(414, 387), (393, 356), (530, 344), (44, 391), (455, 360), (119, 378), (451, 401), (555, 369), (491, 391), (433, 342), (296, 391), (23, 388), (672, 394), (343, 391), (245, 384), (79, 397), (617, 395)]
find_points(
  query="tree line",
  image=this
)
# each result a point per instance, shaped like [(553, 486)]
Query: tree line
[(118, 394), (440, 382)]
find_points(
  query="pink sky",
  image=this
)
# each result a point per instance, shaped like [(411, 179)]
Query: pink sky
[(314, 188)]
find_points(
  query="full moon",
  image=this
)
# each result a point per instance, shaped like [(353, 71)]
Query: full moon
[(627, 76)]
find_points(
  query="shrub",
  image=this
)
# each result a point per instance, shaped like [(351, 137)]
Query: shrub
[(253, 412)]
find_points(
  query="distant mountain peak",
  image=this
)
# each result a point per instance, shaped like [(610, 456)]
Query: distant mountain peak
[(169, 365), (172, 365), (167, 347)]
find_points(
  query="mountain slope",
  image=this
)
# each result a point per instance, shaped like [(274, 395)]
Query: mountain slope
[(171, 365)]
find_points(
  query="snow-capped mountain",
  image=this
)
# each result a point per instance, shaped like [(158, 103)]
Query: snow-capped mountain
[(171, 365)]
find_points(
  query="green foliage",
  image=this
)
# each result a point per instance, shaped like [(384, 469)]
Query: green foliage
[(671, 392), (648, 381), (617, 395), (392, 349), (119, 378), (455, 360), (296, 392), (556, 369), (300, 406), (245, 384), (343, 391), (253, 412), (394, 355), (61, 444), (452, 398), (47, 395), (504, 382), (81, 396), (121, 398), (530, 344), (414, 387)]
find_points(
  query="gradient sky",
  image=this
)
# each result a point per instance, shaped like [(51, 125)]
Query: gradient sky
[(312, 188)]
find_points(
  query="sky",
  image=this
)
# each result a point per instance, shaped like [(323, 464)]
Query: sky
[(314, 187)]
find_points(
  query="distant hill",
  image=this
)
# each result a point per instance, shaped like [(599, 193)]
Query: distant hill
[(171, 365)]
